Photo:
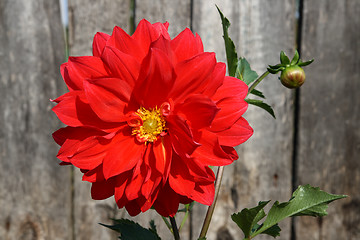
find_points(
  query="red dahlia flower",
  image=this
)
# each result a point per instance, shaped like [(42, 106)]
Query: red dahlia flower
[(147, 115)]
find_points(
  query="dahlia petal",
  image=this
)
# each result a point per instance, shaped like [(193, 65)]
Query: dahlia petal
[(155, 81), (94, 175), (210, 152), (108, 97), (181, 136), (214, 81), (237, 134), (163, 154), (126, 44), (121, 65), (186, 45), (65, 75), (122, 156), (99, 43), (163, 44), (191, 74), (80, 68), (231, 110), (133, 188), (133, 208), (180, 179), (146, 33), (199, 110), (120, 185), (73, 110), (90, 153), (204, 193), (102, 190), (167, 202), (232, 87)]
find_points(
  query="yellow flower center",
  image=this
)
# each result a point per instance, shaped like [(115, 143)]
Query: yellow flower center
[(153, 124)]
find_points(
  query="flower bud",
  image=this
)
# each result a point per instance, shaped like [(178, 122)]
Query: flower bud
[(292, 76)]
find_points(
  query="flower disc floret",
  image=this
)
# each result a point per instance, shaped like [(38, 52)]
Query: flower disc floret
[(153, 124)]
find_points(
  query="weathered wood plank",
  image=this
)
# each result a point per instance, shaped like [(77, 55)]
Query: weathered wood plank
[(260, 30), (178, 14), (329, 144), (85, 19), (34, 190)]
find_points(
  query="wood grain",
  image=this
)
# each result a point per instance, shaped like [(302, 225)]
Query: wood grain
[(85, 19), (260, 30), (34, 190), (329, 144)]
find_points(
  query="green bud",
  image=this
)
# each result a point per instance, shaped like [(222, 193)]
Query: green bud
[(292, 77)]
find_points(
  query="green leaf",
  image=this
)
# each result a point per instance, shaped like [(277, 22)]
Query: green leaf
[(247, 219), (303, 64), (306, 200), (130, 230), (261, 104), (295, 59), (202, 238), (257, 93), (283, 58), (273, 231), (231, 54), (244, 71)]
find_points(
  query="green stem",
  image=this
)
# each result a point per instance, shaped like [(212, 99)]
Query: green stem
[(212, 206), (174, 228), (185, 217), (167, 224), (257, 81)]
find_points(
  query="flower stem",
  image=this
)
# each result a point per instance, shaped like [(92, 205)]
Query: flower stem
[(185, 217), (167, 223), (257, 81), (212, 206), (175, 229)]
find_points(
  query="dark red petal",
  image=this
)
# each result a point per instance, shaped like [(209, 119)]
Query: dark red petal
[(108, 98), (155, 81), (237, 134), (120, 185), (210, 152), (121, 65), (126, 44), (122, 156), (133, 208), (167, 202), (99, 43), (191, 74), (80, 68), (199, 110), (186, 46), (102, 190), (94, 175), (133, 188)]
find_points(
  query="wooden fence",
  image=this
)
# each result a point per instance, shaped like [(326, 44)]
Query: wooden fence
[(315, 138)]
